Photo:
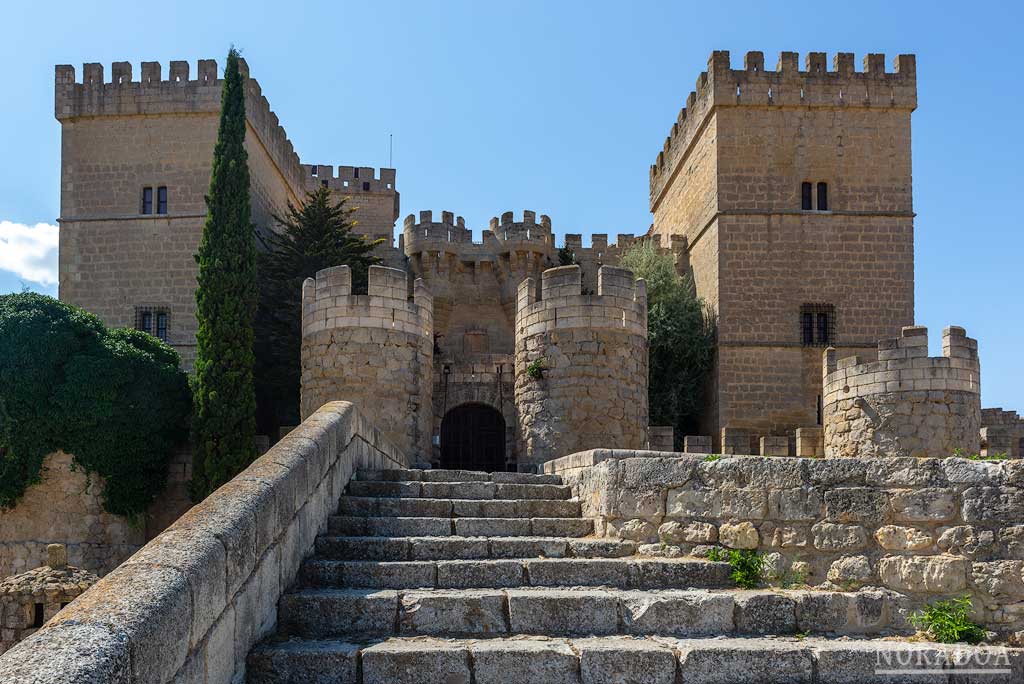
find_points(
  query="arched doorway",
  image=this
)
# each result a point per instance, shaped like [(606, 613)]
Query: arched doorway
[(473, 438)]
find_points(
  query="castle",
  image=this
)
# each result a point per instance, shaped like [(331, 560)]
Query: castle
[(786, 194)]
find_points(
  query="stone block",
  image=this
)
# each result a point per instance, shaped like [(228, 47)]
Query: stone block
[(314, 662), (525, 661), (1002, 581), (898, 538), (601, 548), (528, 547), (625, 661), (437, 548), (697, 444), (416, 661), (677, 613), (69, 653), (931, 574), (760, 612), (467, 574), (325, 613), (851, 572), (492, 527), (867, 662), (452, 613), (376, 575), (856, 504), (753, 661), (560, 612), (821, 611), (741, 535), (992, 504), (835, 537), (928, 504), (966, 540)]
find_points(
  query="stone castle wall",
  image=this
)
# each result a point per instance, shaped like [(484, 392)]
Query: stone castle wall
[(65, 507), (905, 404), (374, 350), (925, 528), (593, 352), (728, 180), (373, 195), (1002, 432)]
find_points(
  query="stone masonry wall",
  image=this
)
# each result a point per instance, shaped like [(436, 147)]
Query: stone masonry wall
[(375, 350), (193, 602), (925, 528), (593, 349), (905, 404), (66, 507)]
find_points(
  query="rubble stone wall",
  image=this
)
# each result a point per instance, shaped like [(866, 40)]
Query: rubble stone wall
[(191, 604), (926, 528)]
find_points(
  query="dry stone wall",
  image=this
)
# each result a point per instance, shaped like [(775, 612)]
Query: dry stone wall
[(925, 528), (375, 350), (906, 403), (591, 351), (191, 604)]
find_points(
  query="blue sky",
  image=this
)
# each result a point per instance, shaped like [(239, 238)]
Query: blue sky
[(559, 107)]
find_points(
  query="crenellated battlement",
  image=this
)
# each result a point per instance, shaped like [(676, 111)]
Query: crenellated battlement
[(816, 85), (152, 94), (353, 179), (905, 403), (328, 302), (620, 303)]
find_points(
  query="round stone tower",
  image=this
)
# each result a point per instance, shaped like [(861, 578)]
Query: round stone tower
[(581, 364), (904, 404), (375, 350)]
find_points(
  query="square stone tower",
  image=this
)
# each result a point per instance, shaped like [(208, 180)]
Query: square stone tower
[(792, 189)]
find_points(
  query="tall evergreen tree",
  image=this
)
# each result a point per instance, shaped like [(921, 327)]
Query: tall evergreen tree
[(313, 236), (224, 424)]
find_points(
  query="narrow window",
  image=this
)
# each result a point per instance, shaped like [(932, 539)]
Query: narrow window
[(147, 200), (161, 199), (366, 186), (324, 182), (144, 321), (807, 328), (822, 196), (161, 325), (314, 171), (356, 173), (805, 196), (819, 410), (824, 334), (817, 325), (37, 619)]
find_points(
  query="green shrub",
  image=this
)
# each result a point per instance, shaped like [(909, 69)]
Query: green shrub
[(114, 399), (747, 566), (535, 369), (948, 622)]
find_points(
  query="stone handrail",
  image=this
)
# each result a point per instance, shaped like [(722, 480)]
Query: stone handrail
[(202, 593)]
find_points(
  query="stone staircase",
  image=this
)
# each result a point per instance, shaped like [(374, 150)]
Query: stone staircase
[(465, 577)]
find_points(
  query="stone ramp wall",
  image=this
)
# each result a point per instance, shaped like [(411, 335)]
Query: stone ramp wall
[(926, 528), (190, 605)]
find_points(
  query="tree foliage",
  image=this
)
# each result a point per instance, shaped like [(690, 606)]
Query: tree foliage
[(114, 399), (224, 424), (681, 334), (313, 236)]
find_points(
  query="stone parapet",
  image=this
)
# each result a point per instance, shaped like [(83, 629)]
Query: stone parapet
[(906, 403), (194, 601), (787, 86), (178, 94), (375, 350), (925, 528)]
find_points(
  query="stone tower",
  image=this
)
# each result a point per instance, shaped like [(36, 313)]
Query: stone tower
[(374, 350), (581, 364), (792, 189), (905, 403)]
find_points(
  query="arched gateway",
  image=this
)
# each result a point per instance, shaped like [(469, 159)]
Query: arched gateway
[(473, 438)]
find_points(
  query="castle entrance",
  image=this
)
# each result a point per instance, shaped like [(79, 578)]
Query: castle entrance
[(473, 438)]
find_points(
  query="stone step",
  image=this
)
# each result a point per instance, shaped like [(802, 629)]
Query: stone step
[(399, 475), (467, 548), (560, 612), (462, 527), (459, 508), (457, 490), (636, 573), (623, 660)]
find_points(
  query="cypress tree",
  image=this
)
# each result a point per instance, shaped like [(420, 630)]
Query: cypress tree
[(224, 423)]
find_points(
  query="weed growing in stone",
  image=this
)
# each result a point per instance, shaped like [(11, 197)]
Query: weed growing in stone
[(536, 368), (948, 621), (747, 565), (711, 458)]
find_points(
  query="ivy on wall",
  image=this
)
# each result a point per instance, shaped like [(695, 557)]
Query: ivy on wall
[(116, 399)]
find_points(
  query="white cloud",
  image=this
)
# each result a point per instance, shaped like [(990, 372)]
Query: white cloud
[(30, 252)]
